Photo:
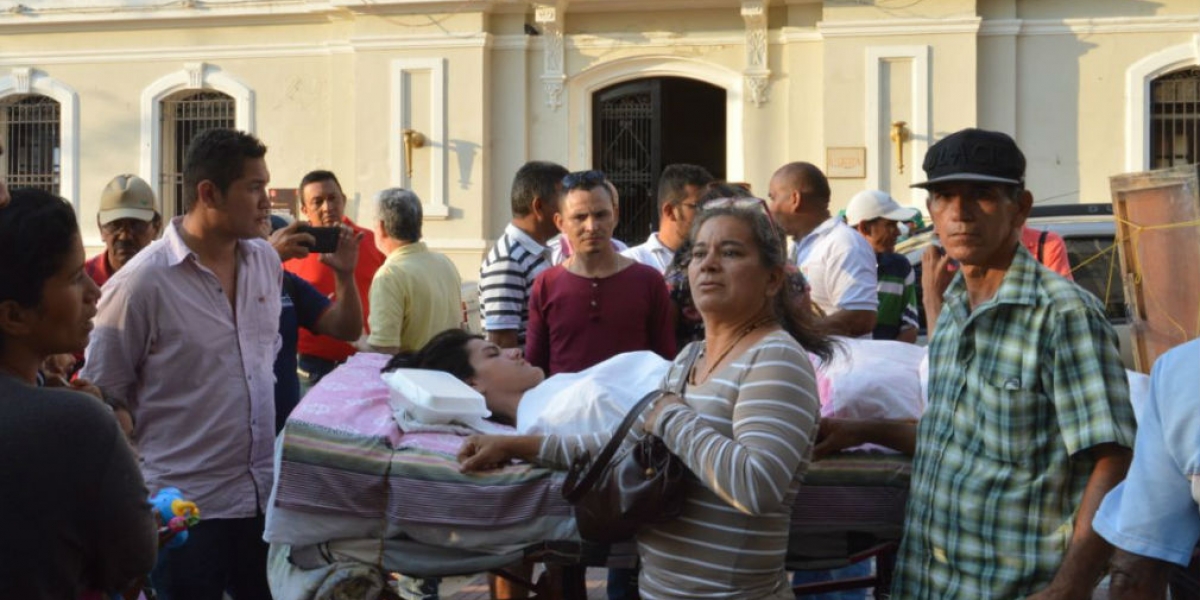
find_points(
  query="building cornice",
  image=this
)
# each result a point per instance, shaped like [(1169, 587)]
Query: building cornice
[(892, 27), (241, 51), (1097, 26)]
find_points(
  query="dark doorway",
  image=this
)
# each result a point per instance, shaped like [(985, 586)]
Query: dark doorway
[(641, 126)]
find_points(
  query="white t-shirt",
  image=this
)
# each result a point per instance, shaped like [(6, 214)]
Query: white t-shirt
[(840, 267), (591, 400)]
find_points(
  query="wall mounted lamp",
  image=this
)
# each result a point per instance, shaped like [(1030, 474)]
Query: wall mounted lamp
[(412, 139), (899, 136)]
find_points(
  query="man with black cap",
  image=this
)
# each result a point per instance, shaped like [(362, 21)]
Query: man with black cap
[(128, 221), (1028, 422)]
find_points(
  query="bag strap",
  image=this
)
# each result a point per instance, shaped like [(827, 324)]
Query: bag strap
[(1042, 244), (597, 466), (596, 469)]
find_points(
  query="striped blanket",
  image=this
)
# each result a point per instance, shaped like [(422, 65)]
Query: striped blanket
[(345, 470)]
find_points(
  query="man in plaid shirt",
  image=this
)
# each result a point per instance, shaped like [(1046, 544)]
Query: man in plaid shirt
[(1028, 423)]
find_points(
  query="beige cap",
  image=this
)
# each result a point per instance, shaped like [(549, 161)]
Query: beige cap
[(127, 197)]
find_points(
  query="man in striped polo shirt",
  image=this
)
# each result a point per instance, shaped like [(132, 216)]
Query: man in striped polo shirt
[(876, 215), (508, 270)]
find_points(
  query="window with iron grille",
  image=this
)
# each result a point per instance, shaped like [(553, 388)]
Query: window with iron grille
[(184, 116), (32, 144), (1175, 118)]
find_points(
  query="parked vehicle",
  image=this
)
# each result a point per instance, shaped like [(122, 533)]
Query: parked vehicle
[(1089, 232)]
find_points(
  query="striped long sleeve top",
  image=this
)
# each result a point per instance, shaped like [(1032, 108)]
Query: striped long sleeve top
[(746, 435)]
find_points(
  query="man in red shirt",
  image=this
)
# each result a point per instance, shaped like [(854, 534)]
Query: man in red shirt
[(128, 221), (324, 205), (1048, 248), (598, 303)]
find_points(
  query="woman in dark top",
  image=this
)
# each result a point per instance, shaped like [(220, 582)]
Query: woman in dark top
[(73, 512)]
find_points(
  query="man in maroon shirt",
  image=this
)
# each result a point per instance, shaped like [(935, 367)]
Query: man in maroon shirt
[(597, 304), (128, 221), (324, 205)]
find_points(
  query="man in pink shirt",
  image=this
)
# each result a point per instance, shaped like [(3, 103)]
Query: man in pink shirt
[(186, 334)]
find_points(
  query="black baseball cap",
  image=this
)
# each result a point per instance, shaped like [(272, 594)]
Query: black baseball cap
[(974, 155)]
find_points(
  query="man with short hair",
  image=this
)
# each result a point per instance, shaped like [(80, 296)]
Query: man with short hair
[(128, 221), (416, 293), (679, 191), (876, 215), (324, 205), (186, 334), (521, 254), (1028, 422), (597, 304), (837, 262)]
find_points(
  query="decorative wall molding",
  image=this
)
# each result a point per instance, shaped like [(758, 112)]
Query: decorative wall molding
[(437, 205), (882, 27), (1138, 78), (757, 74), (794, 35), (22, 77), (197, 75), (549, 17), (920, 130), (1100, 25), (26, 80), (240, 51), (582, 85)]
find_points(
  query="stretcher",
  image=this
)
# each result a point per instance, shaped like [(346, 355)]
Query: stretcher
[(354, 492)]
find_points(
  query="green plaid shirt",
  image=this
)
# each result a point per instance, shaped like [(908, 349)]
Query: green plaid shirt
[(1018, 390)]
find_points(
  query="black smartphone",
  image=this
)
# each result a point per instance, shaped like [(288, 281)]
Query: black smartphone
[(327, 238)]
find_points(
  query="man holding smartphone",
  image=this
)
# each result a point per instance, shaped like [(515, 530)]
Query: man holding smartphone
[(323, 204)]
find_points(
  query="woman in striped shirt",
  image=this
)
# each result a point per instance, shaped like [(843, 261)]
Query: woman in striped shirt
[(744, 425)]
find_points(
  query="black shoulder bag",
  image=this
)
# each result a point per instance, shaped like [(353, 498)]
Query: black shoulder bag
[(624, 490)]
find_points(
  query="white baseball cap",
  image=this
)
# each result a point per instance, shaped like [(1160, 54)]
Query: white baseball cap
[(874, 204)]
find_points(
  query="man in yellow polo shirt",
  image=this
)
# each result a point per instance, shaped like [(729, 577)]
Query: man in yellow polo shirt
[(416, 293)]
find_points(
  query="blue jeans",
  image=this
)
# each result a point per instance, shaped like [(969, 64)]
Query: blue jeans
[(219, 555), (859, 569), (623, 584)]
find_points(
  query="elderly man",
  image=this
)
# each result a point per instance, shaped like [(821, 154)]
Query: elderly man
[(128, 221), (521, 254), (416, 293), (324, 205), (1028, 422), (597, 304), (837, 262), (876, 215), (679, 191), (1153, 517), (187, 334)]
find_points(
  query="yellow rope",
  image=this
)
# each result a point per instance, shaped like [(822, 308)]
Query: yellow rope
[(1135, 261)]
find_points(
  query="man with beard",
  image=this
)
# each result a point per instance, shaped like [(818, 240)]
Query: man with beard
[(128, 221)]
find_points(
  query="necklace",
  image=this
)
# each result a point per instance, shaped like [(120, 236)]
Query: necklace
[(712, 366)]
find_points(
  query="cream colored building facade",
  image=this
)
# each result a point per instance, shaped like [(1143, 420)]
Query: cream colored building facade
[(493, 83)]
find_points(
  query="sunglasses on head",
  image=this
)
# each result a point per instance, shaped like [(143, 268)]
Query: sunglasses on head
[(585, 180), (747, 203)]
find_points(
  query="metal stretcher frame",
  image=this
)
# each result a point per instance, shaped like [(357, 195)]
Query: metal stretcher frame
[(567, 562)]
